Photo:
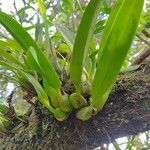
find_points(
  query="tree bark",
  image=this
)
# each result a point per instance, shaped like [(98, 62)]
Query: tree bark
[(127, 112)]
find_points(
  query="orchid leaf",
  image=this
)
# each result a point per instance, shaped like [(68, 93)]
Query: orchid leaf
[(115, 44), (82, 41)]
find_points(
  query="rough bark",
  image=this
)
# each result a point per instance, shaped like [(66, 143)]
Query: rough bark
[(127, 112), (142, 56)]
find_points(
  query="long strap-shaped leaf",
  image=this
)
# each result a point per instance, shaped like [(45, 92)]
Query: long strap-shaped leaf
[(116, 41), (82, 41), (42, 96), (11, 58), (26, 41)]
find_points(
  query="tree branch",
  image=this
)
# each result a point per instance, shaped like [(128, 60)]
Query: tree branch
[(127, 112), (141, 57)]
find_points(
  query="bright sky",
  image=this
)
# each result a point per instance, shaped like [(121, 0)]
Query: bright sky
[(7, 5)]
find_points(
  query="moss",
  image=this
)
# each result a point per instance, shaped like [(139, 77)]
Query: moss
[(126, 112)]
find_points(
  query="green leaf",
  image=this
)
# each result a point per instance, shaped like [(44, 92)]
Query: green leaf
[(25, 41), (42, 96), (116, 41), (3, 108), (43, 66), (10, 44), (130, 68), (68, 36), (19, 34), (32, 60), (63, 48), (55, 95), (11, 58), (10, 66), (82, 41), (4, 122), (100, 25), (9, 78), (41, 7)]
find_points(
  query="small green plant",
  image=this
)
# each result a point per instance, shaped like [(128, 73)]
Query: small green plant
[(90, 74)]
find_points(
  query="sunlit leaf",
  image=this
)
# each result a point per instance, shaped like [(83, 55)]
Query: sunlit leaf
[(25, 40), (32, 60), (19, 34), (82, 41), (10, 44), (41, 7), (116, 41)]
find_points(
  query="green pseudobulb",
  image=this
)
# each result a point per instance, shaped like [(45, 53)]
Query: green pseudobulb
[(77, 101), (60, 115), (65, 104), (84, 113)]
